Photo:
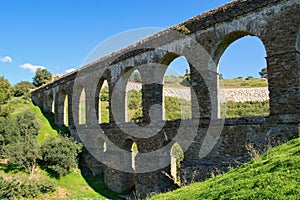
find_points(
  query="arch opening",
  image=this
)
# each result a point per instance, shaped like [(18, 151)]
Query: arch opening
[(176, 88), (131, 146), (66, 111), (62, 109), (242, 69), (102, 102), (133, 97), (50, 104), (177, 156), (82, 107)]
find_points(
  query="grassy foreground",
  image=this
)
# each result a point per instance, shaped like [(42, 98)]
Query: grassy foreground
[(71, 186), (274, 175)]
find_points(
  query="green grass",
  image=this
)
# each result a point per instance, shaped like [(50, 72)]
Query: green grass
[(236, 109), (176, 108), (104, 112), (173, 81), (74, 186), (241, 82), (274, 175)]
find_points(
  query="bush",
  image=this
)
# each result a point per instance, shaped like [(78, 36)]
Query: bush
[(237, 109), (46, 185), (5, 90), (30, 188), (41, 77), (27, 123), (59, 155), (23, 89), (5, 110), (134, 99), (20, 140), (104, 95), (177, 108)]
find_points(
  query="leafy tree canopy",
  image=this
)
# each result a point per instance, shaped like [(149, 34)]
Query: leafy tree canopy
[(263, 73), (23, 88), (41, 77), (60, 154), (5, 90)]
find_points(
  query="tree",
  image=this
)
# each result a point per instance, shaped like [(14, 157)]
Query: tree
[(263, 73), (20, 140), (27, 124), (24, 152), (60, 154), (186, 79), (23, 88), (41, 77), (5, 90), (104, 95), (220, 76), (8, 129)]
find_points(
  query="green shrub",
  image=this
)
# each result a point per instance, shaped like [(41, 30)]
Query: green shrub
[(177, 108), (23, 89), (134, 98), (59, 155), (104, 94), (29, 188), (237, 109), (6, 90), (46, 185)]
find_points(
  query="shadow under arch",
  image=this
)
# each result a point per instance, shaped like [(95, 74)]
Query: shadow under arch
[(62, 108), (79, 105), (50, 106)]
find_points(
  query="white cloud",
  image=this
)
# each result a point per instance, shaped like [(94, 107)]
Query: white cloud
[(70, 70), (6, 59), (31, 67)]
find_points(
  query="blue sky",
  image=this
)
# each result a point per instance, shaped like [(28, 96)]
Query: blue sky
[(60, 34)]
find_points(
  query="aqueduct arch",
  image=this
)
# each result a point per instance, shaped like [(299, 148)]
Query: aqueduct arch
[(275, 22)]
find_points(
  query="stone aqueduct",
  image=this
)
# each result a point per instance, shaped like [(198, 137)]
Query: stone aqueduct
[(275, 22)]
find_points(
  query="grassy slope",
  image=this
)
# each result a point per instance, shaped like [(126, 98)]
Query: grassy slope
[(171, 81), (274, 175), (72, 186), (241, 82)]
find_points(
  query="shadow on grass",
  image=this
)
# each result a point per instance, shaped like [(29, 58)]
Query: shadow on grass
[(50, 172), (97, 183), (62, 130), (7, 168)]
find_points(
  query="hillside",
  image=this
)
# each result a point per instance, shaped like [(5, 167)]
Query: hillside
[(173, 81), (274, 175), (71, 186)]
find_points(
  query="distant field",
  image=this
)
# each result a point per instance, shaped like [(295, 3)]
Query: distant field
[(241, 82), (172, 81)]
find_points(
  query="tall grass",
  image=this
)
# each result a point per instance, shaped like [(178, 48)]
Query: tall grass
[(275, 175)]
